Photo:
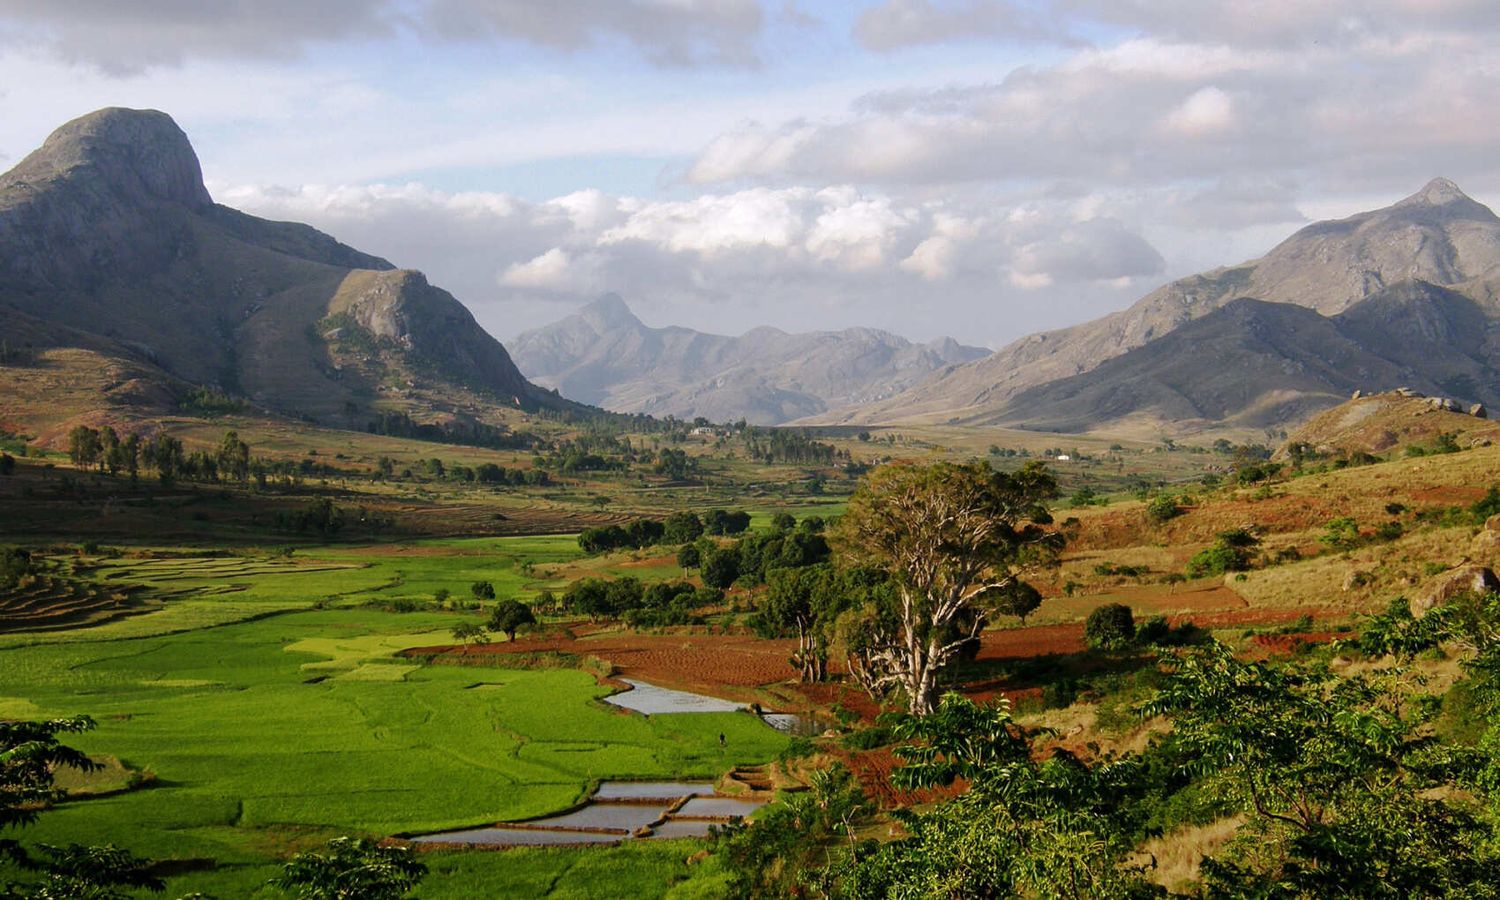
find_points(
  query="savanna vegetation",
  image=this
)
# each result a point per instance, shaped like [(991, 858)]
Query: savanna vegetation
[(238, 660)]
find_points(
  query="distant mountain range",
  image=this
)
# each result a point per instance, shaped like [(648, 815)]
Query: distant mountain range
[(111, 246), (124, 286), (1401, 296), (605, 356)]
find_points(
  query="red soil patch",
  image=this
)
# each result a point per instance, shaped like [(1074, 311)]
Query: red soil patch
[(716, 664), (1447, 495), (1282, 644)]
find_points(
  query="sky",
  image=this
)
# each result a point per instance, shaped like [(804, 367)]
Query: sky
[(980, 169)]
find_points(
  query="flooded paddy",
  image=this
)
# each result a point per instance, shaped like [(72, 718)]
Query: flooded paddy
[(650, 700), (617, 811)]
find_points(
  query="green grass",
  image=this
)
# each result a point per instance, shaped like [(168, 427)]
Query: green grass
[(275, 733)]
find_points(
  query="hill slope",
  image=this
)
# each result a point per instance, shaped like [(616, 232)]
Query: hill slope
[(110, 242), (1252, 364), (1437, 236), (604, 355)]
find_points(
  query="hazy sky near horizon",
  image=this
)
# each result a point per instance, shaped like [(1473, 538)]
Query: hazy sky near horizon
[(974, 168)]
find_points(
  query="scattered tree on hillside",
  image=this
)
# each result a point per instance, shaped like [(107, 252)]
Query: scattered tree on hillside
[(467, 633), (83, 446), (806, 603), (509, 616), (954, 537), (1109, 627), (482, 590), (234, 457)]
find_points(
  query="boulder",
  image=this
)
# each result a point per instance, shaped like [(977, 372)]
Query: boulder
[(1356, 395), (1456, 582), (1356, 578), (1486, 547), (1478, 411)]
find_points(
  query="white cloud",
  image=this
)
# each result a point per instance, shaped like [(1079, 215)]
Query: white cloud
[(128, 37), (546, 272), (895, 24), (1208, 112), (795, 257)]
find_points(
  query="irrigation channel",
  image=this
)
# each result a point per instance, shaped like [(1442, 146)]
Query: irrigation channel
[(621, 810)]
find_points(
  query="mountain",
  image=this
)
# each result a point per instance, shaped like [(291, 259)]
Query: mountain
[(111, 247), (1253, 364), (1438, 237), (604, 355)]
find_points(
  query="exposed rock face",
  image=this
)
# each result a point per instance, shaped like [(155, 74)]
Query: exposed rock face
[(1454, 583), (108, 231), (605, 355), (1437, 237), (1379, 423)]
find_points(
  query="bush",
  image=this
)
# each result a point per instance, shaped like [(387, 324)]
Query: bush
[(1162, 508), (1230, 553), (1110, 627), (1340, 534)]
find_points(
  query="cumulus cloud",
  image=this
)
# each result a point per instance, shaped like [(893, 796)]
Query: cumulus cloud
[(904, 23), (799, 257), (1219, 89), (125, 38), (668, 32)]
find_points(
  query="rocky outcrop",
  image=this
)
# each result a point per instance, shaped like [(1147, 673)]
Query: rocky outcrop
[(1452, 584), (108, 231)]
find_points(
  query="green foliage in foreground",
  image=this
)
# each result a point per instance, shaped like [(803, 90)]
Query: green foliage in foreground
[(1341, 783), (352, 869)]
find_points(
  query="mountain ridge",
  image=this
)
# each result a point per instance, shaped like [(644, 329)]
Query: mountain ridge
[(605, 355), (1437, 235)]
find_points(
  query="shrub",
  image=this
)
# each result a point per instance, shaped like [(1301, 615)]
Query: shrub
[(1230, 553), (1340, 534), (1110, 627), (1162, 508)]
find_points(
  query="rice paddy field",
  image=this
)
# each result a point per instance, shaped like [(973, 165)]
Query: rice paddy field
[(262, 707)]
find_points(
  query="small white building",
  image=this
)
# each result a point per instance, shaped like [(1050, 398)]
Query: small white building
[(1063, 457)]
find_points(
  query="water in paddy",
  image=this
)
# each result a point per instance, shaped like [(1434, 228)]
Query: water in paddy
[(617, 811), (652, 790), (794, 724), (653, 701), (717, 808)]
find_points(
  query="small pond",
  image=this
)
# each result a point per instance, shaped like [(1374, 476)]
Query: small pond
[(651, 700)]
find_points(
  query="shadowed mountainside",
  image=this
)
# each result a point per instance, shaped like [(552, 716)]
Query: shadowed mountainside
[(109, 242), (1420, 256)]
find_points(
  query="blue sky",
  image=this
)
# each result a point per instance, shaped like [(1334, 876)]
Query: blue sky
[(980, 168)]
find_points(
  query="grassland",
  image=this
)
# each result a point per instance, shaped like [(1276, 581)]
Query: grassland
[(252, 699), (257, 724)]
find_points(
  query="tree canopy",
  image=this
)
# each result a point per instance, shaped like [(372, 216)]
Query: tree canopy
[(956, 539)]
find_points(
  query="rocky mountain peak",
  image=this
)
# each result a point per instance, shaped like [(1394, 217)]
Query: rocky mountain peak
[(609, 313), (1444, 201), (139, 154), (1437, 192)]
